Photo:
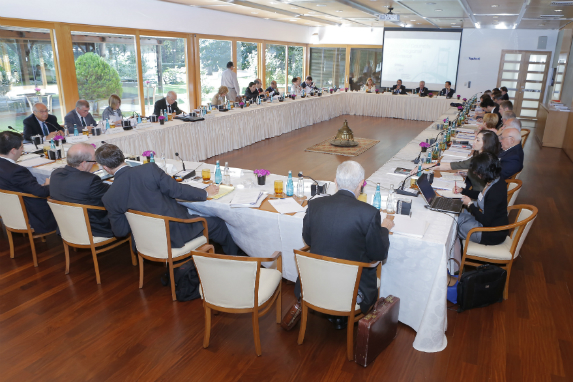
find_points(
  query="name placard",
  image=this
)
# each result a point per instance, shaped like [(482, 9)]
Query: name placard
[(77, 139), (114, 130), (143, 125)]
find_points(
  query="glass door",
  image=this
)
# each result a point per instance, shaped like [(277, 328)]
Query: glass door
[(327, 67), (365, 63), (524, 74)]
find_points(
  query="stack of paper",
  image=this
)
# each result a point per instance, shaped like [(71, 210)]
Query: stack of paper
[(452, 176), (408, 226), (223, 190), (248, 198), (35, 162), (286, 206), (28, 156), (195, 184), (442, 184)]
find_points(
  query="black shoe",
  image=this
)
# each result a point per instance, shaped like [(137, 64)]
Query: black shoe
[(338, 322)]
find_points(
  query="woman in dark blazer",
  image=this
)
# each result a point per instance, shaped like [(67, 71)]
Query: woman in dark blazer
[(490, 209)]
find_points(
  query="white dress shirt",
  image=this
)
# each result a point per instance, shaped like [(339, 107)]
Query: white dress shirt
[(229, 79), (8, 159)]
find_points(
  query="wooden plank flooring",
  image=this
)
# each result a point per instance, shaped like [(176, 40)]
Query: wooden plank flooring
[(55, 327)]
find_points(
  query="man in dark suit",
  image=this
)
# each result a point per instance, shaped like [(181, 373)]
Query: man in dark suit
[(448, 91), (168, 103), (80, 117), (273, 89), (422, 90), (343, 227), (14, 177), (251, 92), (399, 88), (504, 95), (75, 183), (511, 154), (491, 107), (41, 123), (147, 188), (308, 85)]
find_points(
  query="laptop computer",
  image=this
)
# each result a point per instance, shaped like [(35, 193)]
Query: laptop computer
[(436, 202), (105, 176)]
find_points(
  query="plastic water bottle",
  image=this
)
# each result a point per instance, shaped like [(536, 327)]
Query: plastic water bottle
[(218, 175), (52, 144), (300, 186), (419, 169), (390, 201), (76, 133), (377, 202), (138, 119), (227, 175), (429, 157), (289, 185), (151, 158), (107, 124)]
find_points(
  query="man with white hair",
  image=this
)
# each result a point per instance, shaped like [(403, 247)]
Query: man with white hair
[(422, 90), (75, 183), (506, 116), (511, 154), (169, 103), (343, 227), (80, 117), (41, 122)]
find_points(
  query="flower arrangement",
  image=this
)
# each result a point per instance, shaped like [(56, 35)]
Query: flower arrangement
[(261, 172), (458, 96), (37, 91), (445, 120), (345, 89), (424, 144), (465, 99), (241, 103), (430, 95), (161, 119), (147, 82), (147, 153), (460, 107), (59, 138), (377, 91)]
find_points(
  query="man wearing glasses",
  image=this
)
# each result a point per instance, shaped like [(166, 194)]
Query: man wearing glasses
[(41, 123), (75, 183), (80, 117)]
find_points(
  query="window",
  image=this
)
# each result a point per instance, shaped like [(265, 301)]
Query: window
[(213, 56), (163, 68), (327, 66), (106, 64), (27, 75), (364, 63), (295, 63), (275, 59), (247, 64)]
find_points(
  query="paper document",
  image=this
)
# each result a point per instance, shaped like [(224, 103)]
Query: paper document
[(286, 206), (27, 157), (449, 194), (407, 226), (35, 162), (248, 198), (441, 184), (195, 184), (452, 176), (223, 190)]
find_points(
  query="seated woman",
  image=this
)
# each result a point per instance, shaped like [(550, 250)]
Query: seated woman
[(369, 86), (296, 89), (251, 93), (112, 112), (490, 209), (490, 122), (219, 98)]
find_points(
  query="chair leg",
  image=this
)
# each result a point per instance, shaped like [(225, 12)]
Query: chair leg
[(34, 257), (133, 258), (10, 240), (506, 289), (43, 239), (172, 279), (207, 327), (256, 333), (140, 271), (304, 316), (279, 304), (350, 338), (67, 256), (96, 266)]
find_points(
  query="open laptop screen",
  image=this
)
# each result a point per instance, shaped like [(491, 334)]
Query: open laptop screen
[(426, 188)]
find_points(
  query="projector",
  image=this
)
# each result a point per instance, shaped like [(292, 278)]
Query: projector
[(389, 17)]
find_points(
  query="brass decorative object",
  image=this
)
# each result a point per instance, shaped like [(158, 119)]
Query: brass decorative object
[(344, 137)]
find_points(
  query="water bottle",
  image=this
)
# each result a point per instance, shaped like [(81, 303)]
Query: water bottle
[(151, 158), (52, 144), (107, 124), (300, 186), (377, 202), (76, 133), (419, 169), (227, 175), (138, 119), (390, 201), (218, 175), (289, 185), (429, 157)]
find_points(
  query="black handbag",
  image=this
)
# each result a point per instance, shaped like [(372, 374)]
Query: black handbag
[(481, 287)]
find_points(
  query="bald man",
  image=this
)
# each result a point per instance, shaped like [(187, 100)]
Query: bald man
[(76, 184), (169, 103), (511, 154), (41, 123)]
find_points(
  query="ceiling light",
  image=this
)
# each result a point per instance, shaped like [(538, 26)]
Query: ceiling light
[(293, 19), (438, 10), (320, 5), (418, 23), (339, 10), (430, 3), (412, 20), (453, 23), (266, 18), (293, 8), (495, 17), (558, 10), (478, 25), (273, 2), (255, 13), (494, 6)]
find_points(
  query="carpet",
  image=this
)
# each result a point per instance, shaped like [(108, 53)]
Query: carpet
[(325, 147)]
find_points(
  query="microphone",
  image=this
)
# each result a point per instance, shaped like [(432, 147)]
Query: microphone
[(183, 163), (11, 128), (58, 128), (400, 189), (315, 189)]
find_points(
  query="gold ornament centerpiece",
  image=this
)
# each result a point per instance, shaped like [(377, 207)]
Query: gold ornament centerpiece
[(344, 137)]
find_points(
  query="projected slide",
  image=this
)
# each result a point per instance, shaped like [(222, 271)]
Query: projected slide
[(420, 56)]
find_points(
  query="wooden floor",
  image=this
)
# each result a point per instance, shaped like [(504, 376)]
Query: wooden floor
[(55, 327)]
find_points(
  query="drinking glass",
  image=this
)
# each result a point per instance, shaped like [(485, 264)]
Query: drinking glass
[(278, 188), (206, 174)]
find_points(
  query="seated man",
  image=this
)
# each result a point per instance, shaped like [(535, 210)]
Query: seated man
[(273, 89), (147, 188), (251, 93), (422, 90), (511, 154), (506, 116), (343, 227), (14, 177), (79, 117), (259, 85), (491, 107), (399, 88), (448, 91), (505, 106), (308, 85), (504, 95), (41, 123), (75, 183), (169, 103)]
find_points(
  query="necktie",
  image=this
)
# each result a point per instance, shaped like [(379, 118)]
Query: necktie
[(169, 109), (83, 122), (45, 129)]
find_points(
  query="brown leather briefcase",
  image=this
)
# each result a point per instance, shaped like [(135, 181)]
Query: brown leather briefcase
[(377, 329)]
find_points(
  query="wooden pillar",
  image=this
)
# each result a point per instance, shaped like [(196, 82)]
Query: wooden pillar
[(66, 67), (139, 65), (262, 61), (24, 59), (347, 68)]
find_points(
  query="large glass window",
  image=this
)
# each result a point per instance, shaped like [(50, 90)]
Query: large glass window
[(213, 56), (247, 64), (106, 64), (295, 63), (327, 66), (364, 63), (27, 75), (163, 68), (275, 59)]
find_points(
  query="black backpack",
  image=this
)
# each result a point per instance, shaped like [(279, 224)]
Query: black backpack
[(186, 282), (481, 287)]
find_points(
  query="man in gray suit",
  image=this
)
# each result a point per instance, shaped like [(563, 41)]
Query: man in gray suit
[(80, 117)]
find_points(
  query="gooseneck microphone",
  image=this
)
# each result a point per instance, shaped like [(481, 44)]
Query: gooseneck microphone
[(183, 163), (400, 189)]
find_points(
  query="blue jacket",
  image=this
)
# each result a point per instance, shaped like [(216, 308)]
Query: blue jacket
[(511, 161)]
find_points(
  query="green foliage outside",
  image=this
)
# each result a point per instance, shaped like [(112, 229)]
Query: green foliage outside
[(96, 78)]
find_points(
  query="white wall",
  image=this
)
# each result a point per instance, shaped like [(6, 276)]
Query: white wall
[(153, 14), (487, 44), (348, 35)]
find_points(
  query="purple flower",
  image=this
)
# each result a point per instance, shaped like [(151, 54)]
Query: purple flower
[(58, 138), (147, 82), (460, 107), (424, 144), (430, 94), (364, 184), (161, 117), (445, 120), (377, 90), (147, 153), (261, 172), (465, 99), (457, 95), (93, 144), (241, 104), (37, 89)]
